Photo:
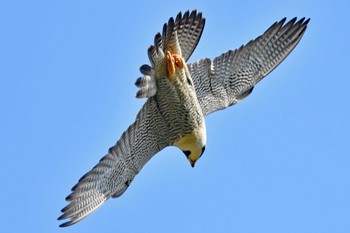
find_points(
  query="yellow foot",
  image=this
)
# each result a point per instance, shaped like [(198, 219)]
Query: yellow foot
[(173, 61), (170, 61)]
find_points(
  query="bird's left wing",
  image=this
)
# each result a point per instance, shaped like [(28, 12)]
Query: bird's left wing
[(232, 76), (115, 171)]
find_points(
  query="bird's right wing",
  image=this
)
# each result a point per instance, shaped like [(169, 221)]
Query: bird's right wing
[(115, 171), (232, 76)]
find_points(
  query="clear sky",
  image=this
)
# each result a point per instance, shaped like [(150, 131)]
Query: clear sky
[(277, 162)]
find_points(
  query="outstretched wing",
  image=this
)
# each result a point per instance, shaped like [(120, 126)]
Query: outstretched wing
[(189, 28), (144, 138), (232, 76), (115, 171)]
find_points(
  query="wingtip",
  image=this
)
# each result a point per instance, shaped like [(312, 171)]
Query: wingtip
[(178, 16), (283, 20), (306, 21), (146, 69), (63, 225), (66, 224), (171, 23), (301, 21), (158, 40)]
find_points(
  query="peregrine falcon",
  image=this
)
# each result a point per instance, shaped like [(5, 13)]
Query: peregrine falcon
[(179, 96)]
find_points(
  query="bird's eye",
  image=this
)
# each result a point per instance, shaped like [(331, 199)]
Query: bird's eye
[(203, 149), (186, 152)]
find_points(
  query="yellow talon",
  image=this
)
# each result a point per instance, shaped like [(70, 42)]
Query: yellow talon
[(170, 65), (179, 62)]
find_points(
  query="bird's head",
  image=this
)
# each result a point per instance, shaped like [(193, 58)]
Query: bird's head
[(193, 144), (193, 155)]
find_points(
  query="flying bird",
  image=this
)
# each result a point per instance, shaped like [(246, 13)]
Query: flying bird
[(179, 96)]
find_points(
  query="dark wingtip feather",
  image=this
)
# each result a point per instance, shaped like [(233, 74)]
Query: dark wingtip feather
[(178, 16), (158, 41), (150, 51), (193, 13), (186, 15), (61, 217), (66, 224), (171, 23), (145, 69), (138, 82), (306, 21), (293, 19), (203, 19), (70, 197), (282, 21)]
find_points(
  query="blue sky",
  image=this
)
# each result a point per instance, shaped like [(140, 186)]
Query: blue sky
[(277, 162)]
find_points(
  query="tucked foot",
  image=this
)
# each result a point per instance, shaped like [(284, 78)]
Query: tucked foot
[(173, 61), (170, 61)]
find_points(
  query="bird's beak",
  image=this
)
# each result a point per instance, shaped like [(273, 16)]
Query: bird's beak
[(192, 162)]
